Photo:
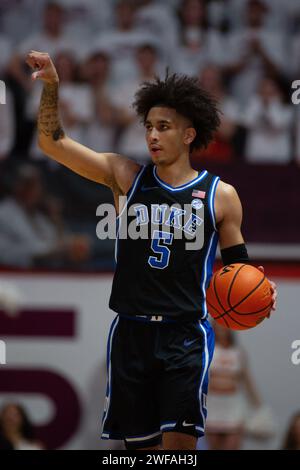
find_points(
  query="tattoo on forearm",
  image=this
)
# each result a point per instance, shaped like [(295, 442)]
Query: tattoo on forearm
[(48, 119)]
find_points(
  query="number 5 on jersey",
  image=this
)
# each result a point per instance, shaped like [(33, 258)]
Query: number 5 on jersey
[(160, 239)]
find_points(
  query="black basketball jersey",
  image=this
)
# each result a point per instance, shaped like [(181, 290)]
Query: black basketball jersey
[(166, 246)]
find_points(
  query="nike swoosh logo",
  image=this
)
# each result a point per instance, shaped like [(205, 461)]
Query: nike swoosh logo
[(187, 343), (145, 188), (187, 424)]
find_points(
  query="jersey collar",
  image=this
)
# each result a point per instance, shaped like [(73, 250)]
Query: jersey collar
[(181, 187)]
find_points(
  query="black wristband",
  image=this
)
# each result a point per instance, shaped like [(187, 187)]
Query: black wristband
[(235, 254)]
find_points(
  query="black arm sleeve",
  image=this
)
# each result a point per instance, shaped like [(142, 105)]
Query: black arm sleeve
[(235, 254)]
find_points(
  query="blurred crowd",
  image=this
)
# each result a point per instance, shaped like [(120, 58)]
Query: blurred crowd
[(245, 52)]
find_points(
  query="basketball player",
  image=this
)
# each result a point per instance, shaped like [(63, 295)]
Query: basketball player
[(160, 344)]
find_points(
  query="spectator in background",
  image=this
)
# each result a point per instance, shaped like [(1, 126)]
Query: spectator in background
[(101, 130), (153, 16), (121, 42), (268, 120), (84, 18), (7, 118), (16, 430), (192, 16), (226, 406), (235, 12), (199, 45), (132, 139), (20, 17), (76, 98), (292, 437), (51, 38), (221, 149), (254, 52), (29, 236), (291, 9)]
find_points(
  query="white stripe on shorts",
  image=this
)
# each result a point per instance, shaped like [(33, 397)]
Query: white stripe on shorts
[(144, 438)]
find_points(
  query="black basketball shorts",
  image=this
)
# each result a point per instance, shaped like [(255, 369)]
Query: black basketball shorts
[(157, 379)]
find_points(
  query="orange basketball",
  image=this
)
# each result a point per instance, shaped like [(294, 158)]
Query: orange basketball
[(239, 296)]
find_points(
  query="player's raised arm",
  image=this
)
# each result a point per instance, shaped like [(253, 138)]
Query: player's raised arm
[(110, 169)]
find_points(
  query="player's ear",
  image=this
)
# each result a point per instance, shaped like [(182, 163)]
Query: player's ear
[(189, 135)]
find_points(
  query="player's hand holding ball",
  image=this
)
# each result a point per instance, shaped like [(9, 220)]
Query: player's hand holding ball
[(239, 296)]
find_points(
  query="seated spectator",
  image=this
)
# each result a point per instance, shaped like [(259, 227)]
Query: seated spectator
[(281, 15), (291, 9), (235, 12), (199, 45), (268, 120), (222, 148), (7, 118), (75, 98), (100, 133), (122, 41), (16, 430), (51, 39), (18, 18), (53, 36), (84, 18), (292, 437), (31, 236), (153, 16), (254, 52)]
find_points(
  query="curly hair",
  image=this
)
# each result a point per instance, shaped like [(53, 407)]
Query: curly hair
[(184, 94)]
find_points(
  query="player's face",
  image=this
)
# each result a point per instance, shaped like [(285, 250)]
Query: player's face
[(168, 135)]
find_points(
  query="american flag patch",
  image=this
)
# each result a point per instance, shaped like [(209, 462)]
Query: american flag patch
[(200, 194)]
